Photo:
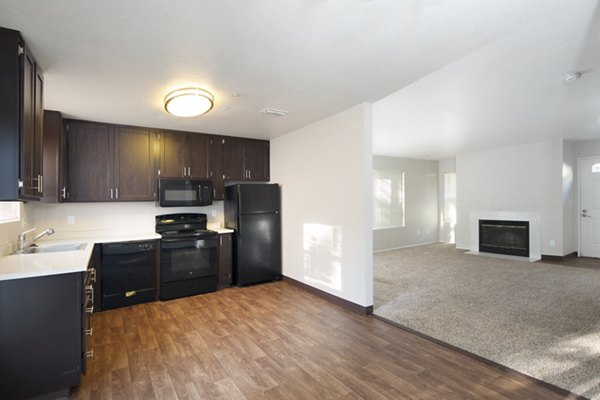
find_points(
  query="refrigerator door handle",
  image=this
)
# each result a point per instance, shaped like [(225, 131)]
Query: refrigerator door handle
[(239, 226)]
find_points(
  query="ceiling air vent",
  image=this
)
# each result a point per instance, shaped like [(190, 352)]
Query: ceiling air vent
[(274, 111)]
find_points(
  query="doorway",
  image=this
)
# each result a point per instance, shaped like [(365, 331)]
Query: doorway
[(589, 210)]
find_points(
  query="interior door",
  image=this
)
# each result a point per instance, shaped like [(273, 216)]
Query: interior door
[(589, 173)]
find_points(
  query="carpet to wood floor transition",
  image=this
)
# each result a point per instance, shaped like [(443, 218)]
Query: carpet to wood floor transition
[(277, 341), (537, 318)]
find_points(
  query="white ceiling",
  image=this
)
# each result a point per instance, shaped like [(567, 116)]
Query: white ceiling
[(462, 75)]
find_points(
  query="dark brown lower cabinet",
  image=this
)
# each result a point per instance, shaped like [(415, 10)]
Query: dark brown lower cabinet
[(225, 260), (41, 328)]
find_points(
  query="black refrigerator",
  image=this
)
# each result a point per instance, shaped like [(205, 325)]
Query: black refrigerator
[(254, 212)]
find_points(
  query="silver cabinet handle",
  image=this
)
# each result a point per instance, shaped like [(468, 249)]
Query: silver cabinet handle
[(250, 174), (189, 171), (214, 193), (89, 354), (111, 193), (63, 192), (40, 183), (183, 171), (88, 332), (117, 193), (90, 289)]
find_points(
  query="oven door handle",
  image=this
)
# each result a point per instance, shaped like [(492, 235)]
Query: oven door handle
[(168, 244)]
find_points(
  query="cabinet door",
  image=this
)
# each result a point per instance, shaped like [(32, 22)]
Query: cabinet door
[(225, 260), (38, 130), (215, 166), (90, 159), (52, 158), (10, 105), (28, 175), (233, 159), (133, 164), (197, 145), (256, 160), (40, 335), (173, 154)]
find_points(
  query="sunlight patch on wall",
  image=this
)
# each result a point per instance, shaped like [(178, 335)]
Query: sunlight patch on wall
[(322, 246), (448, 212)]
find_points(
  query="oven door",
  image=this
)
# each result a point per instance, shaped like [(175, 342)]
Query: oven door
[(190, 258)]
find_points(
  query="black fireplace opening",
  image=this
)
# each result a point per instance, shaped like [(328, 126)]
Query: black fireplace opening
[(504, 237)]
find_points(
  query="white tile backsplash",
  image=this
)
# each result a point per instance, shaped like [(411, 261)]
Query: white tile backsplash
[(121, 216)]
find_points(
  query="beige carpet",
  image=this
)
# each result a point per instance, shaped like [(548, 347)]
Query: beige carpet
[(540, 319)]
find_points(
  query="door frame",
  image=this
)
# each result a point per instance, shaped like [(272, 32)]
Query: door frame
[(579, 160)]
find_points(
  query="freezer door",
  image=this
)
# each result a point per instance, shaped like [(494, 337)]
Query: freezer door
[(257, 255), (258, 198)]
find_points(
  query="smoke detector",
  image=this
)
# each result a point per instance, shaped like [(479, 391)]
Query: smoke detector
[(571, 77), (274, 111)]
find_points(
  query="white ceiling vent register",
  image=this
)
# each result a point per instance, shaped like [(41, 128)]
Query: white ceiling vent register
[(274, 111)]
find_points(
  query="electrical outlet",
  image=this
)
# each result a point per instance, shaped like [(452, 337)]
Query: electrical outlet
[(552, 243), (213, 213), (70, 219)]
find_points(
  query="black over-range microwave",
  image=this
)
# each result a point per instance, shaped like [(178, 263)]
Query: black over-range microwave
[(181, 192)]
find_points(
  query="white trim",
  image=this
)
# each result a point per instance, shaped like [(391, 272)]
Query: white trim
[(406, 247)]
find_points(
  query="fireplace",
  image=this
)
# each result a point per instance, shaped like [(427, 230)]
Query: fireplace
[(504, 237)]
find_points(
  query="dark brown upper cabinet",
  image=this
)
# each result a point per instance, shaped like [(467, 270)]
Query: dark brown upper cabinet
[(215, 166), (109, 162), (183, 154), (233, 159), (54, 158), (256, 160), (21, 119), (245, 159), (133, 174)]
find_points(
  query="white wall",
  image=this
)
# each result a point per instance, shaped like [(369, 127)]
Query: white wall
[(569, 198), (10, 231), (447, 232), (421, 204), (325, 174), (526, 178), (587, 148)]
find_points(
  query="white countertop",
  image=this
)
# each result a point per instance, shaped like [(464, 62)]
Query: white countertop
[(19, 266)]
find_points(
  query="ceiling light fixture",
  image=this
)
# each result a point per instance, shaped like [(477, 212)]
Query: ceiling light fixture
[(571, 77), (189, 102)]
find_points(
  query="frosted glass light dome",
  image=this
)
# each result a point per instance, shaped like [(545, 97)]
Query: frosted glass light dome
[(189, 102)]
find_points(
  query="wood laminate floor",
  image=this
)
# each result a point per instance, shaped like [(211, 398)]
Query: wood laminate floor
[(277, 341)]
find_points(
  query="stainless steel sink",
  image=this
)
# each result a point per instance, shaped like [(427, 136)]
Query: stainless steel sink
[(55, 248)]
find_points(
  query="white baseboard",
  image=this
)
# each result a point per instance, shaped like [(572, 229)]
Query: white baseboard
[(405, 247)]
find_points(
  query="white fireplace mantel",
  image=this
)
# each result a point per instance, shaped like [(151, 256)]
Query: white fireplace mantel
[(534, 219)]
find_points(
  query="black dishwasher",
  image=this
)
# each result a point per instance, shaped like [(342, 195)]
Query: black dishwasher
[(129, 273)]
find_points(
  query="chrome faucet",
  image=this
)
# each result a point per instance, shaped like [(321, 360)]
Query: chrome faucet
[(23, 238)]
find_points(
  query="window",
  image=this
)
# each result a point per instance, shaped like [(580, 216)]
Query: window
[(450, 198), (9, 211), (388, 199)]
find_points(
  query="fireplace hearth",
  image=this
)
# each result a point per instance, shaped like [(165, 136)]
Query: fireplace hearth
[(504, 237)]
